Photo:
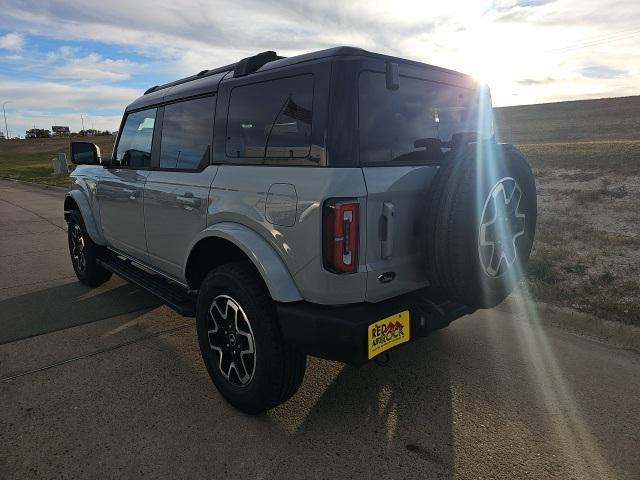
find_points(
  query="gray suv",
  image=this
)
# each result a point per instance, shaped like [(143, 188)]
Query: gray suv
[(337, 204)]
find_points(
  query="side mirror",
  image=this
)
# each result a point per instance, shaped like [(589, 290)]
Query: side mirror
[(85, 153)]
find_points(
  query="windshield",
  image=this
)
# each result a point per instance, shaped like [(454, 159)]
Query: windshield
[(419, 121)]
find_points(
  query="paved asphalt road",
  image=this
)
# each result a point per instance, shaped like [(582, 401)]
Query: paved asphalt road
[(105, 383)]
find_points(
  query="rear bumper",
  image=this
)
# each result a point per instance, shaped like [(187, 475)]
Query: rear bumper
[(341, 332)]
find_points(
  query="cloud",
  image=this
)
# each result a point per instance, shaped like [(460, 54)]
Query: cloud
[(602, 72), (521, 10), (518, 46), (11, 41), (53, 95), (533, 3), (95, 67), (536, 81), (170, 31), (72, 64)]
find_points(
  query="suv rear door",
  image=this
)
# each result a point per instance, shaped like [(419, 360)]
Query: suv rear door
[(177, 190), (400, 130)]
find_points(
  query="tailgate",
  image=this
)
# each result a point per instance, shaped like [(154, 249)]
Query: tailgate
[(396, 197)]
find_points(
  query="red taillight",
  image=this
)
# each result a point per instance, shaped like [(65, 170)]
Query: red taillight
[(341, 235)]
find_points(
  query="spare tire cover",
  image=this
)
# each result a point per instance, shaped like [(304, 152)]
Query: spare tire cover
[(481, 218)]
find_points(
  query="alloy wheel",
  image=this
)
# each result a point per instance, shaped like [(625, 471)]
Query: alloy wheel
[(78, 247), (231, 337), (501, 224)]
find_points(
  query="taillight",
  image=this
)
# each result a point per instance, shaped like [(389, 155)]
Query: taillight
[(341, 235)]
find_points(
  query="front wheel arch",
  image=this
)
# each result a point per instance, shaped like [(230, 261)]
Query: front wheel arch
[(76, 200)]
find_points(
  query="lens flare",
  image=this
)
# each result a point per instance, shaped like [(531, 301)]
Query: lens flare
[(555, 395)]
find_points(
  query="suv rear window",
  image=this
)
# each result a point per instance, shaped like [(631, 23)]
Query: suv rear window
[(271, 120), (187, 129), (417, 122)]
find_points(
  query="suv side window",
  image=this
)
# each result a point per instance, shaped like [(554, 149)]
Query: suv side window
[(187, 130), (134, 146), (271, 120)]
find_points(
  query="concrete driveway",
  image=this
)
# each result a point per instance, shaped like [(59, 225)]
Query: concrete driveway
[(106, 383)]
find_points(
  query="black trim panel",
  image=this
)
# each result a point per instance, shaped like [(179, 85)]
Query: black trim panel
[(340, 333)]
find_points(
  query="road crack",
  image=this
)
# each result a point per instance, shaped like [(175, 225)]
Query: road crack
[(96, 352), (34, 213)]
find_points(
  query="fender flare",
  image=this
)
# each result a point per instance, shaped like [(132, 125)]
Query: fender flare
[(271, 267), (87, 215)]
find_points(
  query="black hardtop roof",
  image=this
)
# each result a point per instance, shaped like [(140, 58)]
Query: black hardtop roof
[(207, 81)]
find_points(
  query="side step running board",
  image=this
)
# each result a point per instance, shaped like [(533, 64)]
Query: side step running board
[(172, 294)]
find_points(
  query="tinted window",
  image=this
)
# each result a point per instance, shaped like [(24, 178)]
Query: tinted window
[(134, 147), (187, 129), (271, 119), (418, 122)]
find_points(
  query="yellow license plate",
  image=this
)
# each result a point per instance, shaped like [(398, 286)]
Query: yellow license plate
[(388, 332)]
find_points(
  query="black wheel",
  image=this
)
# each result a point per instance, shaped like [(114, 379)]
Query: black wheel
[(241, 342), (480, 225), (84, 253)]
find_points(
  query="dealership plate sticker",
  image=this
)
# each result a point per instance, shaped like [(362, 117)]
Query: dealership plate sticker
[(388, 332)]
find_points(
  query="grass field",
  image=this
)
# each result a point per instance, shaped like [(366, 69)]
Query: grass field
[(30, 160), (587, 249), (586, 158)]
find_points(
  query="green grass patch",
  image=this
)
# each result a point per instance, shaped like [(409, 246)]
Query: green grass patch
[(30, 160)]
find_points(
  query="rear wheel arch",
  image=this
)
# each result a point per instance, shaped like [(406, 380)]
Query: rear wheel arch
[(231, 242), (209, 253)]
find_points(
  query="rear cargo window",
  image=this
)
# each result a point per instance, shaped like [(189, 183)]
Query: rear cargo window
[(270, 122), (419, 121)]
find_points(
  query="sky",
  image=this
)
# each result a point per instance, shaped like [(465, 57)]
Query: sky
[(64, 61)]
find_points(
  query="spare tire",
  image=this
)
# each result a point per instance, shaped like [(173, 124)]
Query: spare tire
[(481, 220)]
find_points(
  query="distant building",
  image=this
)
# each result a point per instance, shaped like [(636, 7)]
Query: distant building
[(91, 132), (1, 135), (60, 130)]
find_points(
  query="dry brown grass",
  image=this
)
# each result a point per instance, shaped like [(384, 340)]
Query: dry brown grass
[(580, 158), (586, 158), (579, 121), (587, 249)]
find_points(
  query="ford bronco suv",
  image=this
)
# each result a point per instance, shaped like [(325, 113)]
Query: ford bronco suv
[(337, 204)]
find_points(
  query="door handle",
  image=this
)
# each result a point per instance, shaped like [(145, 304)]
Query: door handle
[(133, 194), (387, 229), (189, 200)]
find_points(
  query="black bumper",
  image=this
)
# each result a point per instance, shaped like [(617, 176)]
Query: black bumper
[(341, 332)]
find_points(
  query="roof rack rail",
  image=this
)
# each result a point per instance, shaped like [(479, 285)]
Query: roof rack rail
[(202, 74), (243, 67)]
